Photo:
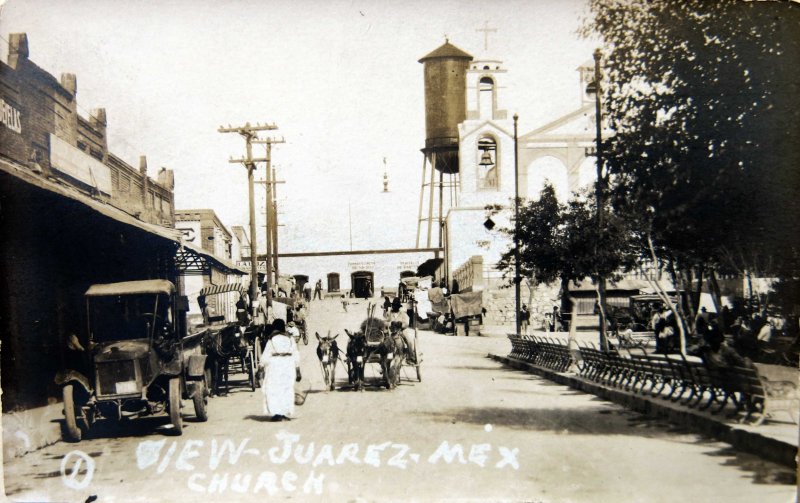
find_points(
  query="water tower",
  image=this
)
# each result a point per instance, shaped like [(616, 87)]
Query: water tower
[(445, 108)]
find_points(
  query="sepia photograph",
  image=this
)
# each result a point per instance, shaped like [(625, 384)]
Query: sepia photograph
[(352, 251)]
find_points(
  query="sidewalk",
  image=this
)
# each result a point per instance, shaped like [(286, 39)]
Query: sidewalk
[(28, 430), (775, 440)]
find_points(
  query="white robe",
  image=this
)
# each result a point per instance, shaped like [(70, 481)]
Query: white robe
[(279, 360)]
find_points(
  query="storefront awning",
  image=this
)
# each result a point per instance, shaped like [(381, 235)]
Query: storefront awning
[(217, 289), (189, 258)]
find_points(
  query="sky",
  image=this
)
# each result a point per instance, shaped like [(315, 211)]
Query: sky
[(340, 79)]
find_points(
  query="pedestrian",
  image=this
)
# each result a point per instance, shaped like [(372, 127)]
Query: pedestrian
[(556, 320), (281, 364), (344, 303), (261, 316), (386, 305), (318, 290), (524, 319), (204, 309), (307, 292), (241, 310)]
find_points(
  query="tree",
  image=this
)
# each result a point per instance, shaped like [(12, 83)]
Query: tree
[(704, 101), (562, 242)]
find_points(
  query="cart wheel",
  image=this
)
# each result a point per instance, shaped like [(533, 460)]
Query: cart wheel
[(175, 405), (251, 371), (200, 400), (257, 350), (73, 431)]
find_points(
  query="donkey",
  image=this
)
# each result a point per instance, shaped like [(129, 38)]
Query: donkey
[(356, 358), (328, 354), (393, 351)]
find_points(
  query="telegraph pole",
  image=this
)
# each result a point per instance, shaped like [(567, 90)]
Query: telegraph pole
[(275, 221), (249, 133), (269, 183)]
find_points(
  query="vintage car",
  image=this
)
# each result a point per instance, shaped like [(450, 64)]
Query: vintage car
[(135, 359)]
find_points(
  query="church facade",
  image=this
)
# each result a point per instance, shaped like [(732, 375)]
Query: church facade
[(559, 152)]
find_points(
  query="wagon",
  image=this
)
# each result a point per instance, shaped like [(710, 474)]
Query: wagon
[(376, 342), (230, 346)]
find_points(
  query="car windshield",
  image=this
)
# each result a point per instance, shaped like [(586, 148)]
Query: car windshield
[(123, 317)]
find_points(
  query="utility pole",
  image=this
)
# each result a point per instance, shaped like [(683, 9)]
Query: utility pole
[(275, 222), (249, 133), (270, 245)]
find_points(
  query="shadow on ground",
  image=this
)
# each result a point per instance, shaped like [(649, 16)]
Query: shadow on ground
[(600, 420)]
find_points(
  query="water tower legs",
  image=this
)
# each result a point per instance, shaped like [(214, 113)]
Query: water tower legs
[(428, 188)]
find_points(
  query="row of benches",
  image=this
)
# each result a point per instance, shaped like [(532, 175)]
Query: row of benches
[(673, 378)]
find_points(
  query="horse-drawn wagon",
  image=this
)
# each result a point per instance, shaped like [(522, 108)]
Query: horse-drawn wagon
[(230, 346)]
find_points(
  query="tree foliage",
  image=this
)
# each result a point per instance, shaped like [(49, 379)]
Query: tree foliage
[(562, 242), (704, 101)]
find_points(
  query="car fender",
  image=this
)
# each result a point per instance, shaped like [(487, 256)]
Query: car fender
[(73, 376)]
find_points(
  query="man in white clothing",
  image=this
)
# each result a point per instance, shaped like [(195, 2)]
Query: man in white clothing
[(281, 362)]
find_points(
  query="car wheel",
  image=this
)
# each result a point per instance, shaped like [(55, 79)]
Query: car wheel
[(73, 431), (175, 405)]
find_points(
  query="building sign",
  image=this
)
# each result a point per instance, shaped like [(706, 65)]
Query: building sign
[(80, 166), (10, 117), (362, 266), (188, 233), (261, 267)]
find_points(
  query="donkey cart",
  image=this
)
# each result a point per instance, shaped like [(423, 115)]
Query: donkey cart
[(377, 343)]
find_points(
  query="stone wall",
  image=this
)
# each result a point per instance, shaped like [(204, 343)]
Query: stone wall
[(499, 301)]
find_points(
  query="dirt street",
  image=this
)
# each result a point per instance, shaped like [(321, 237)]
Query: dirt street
[(471, 430)]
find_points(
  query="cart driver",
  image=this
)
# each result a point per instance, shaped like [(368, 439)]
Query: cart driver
[(397, 318)]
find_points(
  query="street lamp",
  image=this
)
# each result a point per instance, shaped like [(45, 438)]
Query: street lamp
[(599, 187), (517, 278)]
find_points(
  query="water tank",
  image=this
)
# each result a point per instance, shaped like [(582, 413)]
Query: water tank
[(445, 103)]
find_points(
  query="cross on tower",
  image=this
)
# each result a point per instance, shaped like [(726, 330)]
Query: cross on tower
[(486, 30)]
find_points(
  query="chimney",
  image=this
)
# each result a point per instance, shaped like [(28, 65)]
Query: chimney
[(166, 178), (69, 82), (17, 49), (98, 117), (145, 180)]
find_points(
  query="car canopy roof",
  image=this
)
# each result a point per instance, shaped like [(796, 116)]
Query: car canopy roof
[(154, 286)]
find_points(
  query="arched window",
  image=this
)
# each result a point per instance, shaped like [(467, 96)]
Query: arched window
[(486, 98), (488, 164)]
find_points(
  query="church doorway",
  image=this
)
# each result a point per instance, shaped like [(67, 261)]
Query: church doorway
[(363, 284)]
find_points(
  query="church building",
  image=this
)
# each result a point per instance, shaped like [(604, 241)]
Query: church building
[(560, 152)]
